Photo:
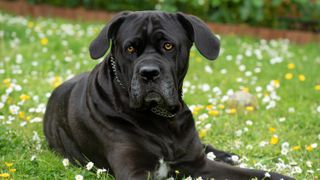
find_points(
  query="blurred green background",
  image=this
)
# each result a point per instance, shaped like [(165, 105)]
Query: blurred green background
[(279, 14)]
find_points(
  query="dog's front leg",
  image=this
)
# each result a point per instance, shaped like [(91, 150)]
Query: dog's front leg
[(207, 169), (130, 162)]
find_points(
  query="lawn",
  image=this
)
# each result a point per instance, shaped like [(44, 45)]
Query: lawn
[(280, 132)]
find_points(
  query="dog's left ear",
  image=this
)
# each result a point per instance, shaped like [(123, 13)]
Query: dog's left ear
[(100, 45), (207, 44)]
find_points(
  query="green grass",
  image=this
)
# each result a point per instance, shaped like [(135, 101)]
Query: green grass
[(66, 53)]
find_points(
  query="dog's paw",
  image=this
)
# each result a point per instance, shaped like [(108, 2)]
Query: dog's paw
[(228, 158)]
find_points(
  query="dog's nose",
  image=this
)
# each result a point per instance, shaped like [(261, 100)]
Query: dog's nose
[(149, 72)]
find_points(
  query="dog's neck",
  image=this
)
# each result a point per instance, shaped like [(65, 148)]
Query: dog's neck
[(158, 110)]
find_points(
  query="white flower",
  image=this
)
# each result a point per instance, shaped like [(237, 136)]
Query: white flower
[(249, 122), (238, 133), (291, 110), (235, 158), (267, 175), (100, 171), (203, 116), (211, 156), (79, 177), (314, 145), (199, 178), (189, 178), (318, 109), (296, 170), (208, 69), (282, 119), (33, 158), (223, 71), (89, 166), (263, 143), (14, 109), (65, 162), (309, 164), (205, 87), (207, 126)]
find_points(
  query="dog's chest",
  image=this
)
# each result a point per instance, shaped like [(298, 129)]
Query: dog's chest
[(162, 170)]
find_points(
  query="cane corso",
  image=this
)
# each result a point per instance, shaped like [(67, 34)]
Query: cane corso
[(127, 115)]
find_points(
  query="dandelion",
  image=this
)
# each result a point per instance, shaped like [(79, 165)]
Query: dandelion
[(221, 106), (250, 108), (8, 164), (288, 76), (198, 59), (272, 129), (79, 177), (4, 175), (213, 112), (291, 66), (44, 41), (232, 111), (22, 115), (57, 80), (301, 77), (296, 148), (274, 140), (317, 87), (13, 170), (89, 166), (203, 133), (24, 97), (7, 82)]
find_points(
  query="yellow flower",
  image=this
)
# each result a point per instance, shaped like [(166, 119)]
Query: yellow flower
[(198, 59), (203, 133), (44, 41), (274, 140), (317, 87), (24, 97), (7, 82), (214, 112), (22, 115), (13, 170), (4, 175), (8, 164), (30, 24), (209, 107), (245, 89), (291, 66), (301, 77), (309, 148), (57, 80), (232, 111), (272, 129), (221, 106), (288, 76), (296, 148), (250, 108), (177, 171), (276, 83)]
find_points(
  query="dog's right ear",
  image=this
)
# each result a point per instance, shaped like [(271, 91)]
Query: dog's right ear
[(100, 45)]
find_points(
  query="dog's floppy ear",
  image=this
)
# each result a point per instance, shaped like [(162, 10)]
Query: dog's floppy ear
[(207, 44), (100, 45)]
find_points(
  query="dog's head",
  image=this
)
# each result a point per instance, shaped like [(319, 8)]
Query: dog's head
[(151, 50)]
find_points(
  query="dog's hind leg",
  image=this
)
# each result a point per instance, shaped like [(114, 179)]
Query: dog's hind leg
[(70, 149), (223, 156)]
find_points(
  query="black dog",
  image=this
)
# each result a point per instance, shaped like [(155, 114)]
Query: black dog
[(128, 115)]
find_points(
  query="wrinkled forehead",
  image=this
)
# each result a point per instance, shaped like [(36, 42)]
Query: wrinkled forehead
[(151, 25)]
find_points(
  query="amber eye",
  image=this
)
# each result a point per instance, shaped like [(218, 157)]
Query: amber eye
[(131, 49), (167, 46)]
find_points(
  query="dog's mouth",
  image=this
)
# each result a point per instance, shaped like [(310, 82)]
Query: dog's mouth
[(156, 100)]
